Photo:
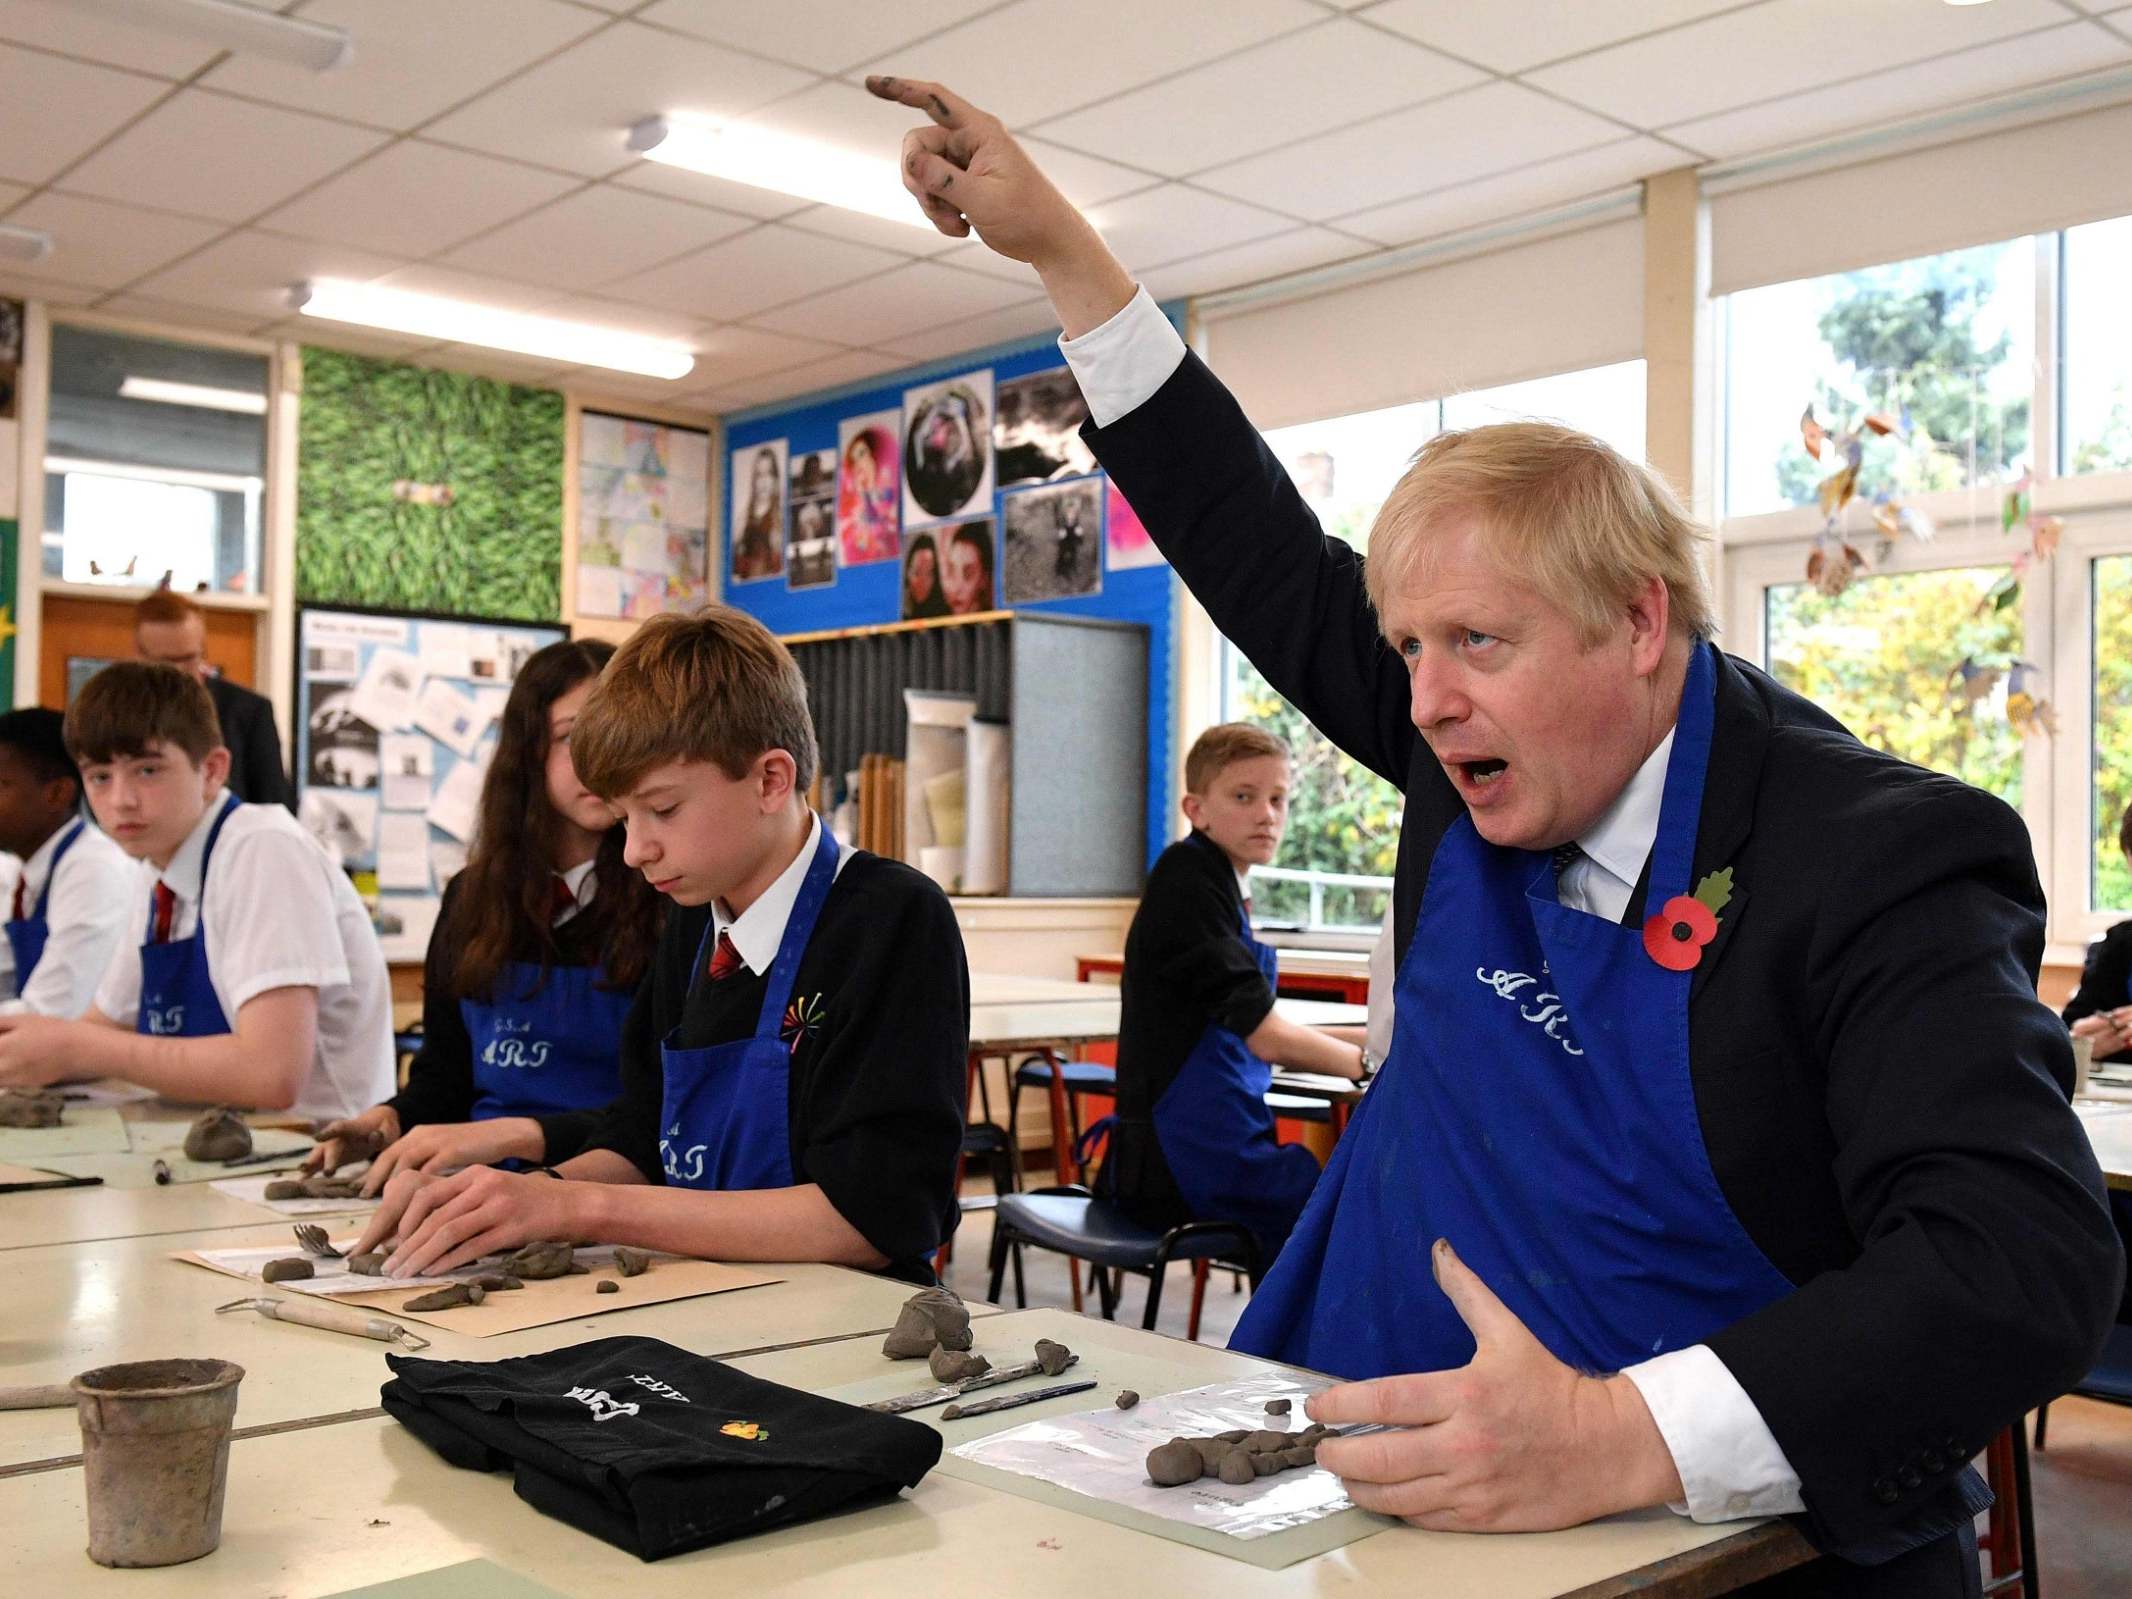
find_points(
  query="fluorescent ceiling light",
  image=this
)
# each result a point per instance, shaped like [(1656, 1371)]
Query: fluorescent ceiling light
[(784, 163), (245, 29), (24, 244), (460, 322), (197, 395)]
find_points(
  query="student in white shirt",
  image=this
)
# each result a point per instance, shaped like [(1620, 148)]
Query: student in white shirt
[(69, 901), (248, 973)]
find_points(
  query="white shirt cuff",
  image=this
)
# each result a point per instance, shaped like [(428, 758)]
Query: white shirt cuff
[(1121, 364), (1729, 1462)]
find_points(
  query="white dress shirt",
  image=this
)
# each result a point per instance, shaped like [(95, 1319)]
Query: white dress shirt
[(1729, 1462), (582, 885), (94, 884), (760, 929), (278, 914)]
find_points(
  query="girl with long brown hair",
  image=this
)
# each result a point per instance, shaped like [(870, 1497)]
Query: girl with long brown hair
[(535, 959)]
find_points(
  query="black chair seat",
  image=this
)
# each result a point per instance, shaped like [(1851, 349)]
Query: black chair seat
[(1298, 1107), (1096, 1230), (1081, 1076)]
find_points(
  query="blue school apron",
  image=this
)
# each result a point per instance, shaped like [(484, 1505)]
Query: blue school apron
[(546, 1042), (1537, 1111), (1218, 1137), (177, 995), (26, 936), (723, 1117)]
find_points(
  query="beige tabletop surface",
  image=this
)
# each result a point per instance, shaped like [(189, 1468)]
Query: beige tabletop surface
[(2109, 1128), (1011, 988), (80, 1215), (318, 1511), (1029, 1023), (72, 1307)]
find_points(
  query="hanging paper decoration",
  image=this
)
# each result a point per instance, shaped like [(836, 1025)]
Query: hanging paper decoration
[(2018, 510), (1973, 680), (2027, 710), (1834, 560)]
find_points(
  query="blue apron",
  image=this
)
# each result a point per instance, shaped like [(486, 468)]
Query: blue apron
[(542, 1046), (1537, 1111), (723, 1117), (177, 997), (27, 936), (1218, 1137)]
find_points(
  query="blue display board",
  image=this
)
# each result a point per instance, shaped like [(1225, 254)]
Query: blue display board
[(785, 563), (395, 723)]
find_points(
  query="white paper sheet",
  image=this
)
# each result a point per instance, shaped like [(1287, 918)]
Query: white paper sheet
[(403, 851), (331, 1277), (108, 1092), (404, 923), (443, 646), (599, 590), (456, 806), (405, 765), (447, 858), (385, 697), (1103, 1453), (449, 717)]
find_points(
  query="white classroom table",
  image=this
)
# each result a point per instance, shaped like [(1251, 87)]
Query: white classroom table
[(318, 1511), (71, 1307), (80, 1215), (2109, 1129)]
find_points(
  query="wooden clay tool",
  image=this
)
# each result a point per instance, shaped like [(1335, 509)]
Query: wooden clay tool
[(985, 1407), (955, 1390)]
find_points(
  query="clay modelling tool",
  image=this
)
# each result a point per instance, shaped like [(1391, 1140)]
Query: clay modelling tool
[(985, 1407), (270, 1157), (314, 1242), (36, 1396), (329, 1317), (52, 1179), (925, 1397)]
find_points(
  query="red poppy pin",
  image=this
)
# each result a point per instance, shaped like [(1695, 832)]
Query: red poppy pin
[(1676, 936)]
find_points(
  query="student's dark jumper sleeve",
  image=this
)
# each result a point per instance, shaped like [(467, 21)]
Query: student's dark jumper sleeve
[(440, 1079), (1198, 954), (2106, 976), (879, 1093)]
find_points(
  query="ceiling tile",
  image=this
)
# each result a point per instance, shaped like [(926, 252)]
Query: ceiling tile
[(1465, 135), (1083, 179), (355, 341), (107, 246), (678, 183), (1172, 222), (730, 355), (827, 35), (62, 25), (53, 111), (21, 288), (921, 295), (905, 239), (502, 365), (414, 199), (449, 283), (253, 272), (595, 236), (642, 320), (413, 58), (1510, 38), (1253, 263), (974, 255), (768, 266), (1781, 47), (143, 309), (853, 366), (1033, 59), (211, 156), (1962, 78), (1285, 89), (575, 111), (1017, 322), (1510, 194)]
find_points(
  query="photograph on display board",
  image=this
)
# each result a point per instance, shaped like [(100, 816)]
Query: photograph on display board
[(643, 517), (947, 449), (344, 747), (1037, 435), (966, 567), (811, 545), (922, 597), (869, 497), (1125, 534), (756, 529), (1054, 541)]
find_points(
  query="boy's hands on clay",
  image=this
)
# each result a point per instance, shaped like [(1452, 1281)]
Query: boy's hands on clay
[(439, 1147), (967, 172), (447, 1222), (35, 1051), (1514, 1441), (353, 1138)]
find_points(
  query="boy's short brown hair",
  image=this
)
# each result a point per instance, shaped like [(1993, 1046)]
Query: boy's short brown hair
[(130, 706), (716, 686), (166, 605), (1223, 745)]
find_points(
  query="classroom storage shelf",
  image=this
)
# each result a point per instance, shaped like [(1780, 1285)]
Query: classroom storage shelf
[(1073, 692)]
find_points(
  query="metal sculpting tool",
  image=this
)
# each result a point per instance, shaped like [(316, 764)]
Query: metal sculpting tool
[(985, 1407), (955, 1390)]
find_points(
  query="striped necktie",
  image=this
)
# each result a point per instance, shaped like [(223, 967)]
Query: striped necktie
[(725, 960)]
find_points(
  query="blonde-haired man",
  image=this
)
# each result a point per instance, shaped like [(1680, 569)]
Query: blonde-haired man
[(1718, 1075)]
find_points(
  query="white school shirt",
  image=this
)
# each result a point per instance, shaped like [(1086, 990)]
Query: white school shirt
[(95, 883), (278, 914), (1730, 1464), (759, 930)]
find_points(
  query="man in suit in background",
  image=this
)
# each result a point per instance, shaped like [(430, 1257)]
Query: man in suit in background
[(169, 628), (1717, 1074)]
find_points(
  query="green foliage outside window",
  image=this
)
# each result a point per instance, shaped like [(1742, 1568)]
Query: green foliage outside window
[(2110, 751)]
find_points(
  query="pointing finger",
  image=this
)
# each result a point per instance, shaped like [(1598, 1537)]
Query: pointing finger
[(944, 108), (1486, 1317)]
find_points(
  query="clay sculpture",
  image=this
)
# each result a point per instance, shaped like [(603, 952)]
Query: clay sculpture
[(370, 1265), (497, 1283), (631, 1262), (328, 1188), (285, 1188), (285, 1271), (1127, 1398), (449, 1297), (218, 1134), (607, 1285), (1234, 1457), (956, 1365), (29, 1108), (538, 1261), (932, 1318), (1052, 1358)]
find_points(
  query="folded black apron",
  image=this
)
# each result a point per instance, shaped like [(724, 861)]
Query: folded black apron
[(652, 1448)]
